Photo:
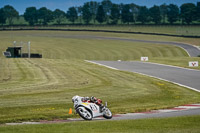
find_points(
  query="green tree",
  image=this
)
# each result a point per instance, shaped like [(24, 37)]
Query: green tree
[(2, 17), (100, 14), (115, 14), (59, 16), (163, 12), (155, 14), (72, 14), (79, 13), (134, 11), (10, 13), (93, 5), (45, 15), (87, 15), (188, 11), (107, 5), (30, 15), (197, 16), (172, 13), (143, 15), (126, 14)]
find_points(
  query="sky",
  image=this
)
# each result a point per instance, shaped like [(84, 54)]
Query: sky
[(21, 5)]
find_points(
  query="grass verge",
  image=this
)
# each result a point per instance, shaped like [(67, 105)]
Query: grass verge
[(187, 124), (177, 61)]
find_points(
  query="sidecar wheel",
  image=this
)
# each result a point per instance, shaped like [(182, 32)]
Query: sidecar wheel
[(107, 114), (84, 113)]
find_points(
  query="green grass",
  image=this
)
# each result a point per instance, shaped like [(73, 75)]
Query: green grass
[(182, 62), (35, 89), (174, 30), (188, 124), (60, 45)]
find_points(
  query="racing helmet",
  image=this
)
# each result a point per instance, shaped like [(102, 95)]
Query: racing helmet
[(74, 97), (93, 99)]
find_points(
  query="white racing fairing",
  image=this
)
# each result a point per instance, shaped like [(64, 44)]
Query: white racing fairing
[(89, 110)]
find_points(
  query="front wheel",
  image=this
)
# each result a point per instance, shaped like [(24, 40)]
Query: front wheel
[(107, 113), (84, 113)]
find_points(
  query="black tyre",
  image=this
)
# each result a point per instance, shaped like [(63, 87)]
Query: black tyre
[(107, 114), (84, 113)]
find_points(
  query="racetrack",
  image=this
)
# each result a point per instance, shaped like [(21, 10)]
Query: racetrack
[(191, 50), (55, 75), (185, 77), (188, 78)]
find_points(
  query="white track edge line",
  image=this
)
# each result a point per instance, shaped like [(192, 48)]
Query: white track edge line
[(148, 76), (101, 65), (170, 81), (189, 44), (184, 50)]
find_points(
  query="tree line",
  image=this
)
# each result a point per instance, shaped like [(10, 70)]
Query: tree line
[(107, 12)]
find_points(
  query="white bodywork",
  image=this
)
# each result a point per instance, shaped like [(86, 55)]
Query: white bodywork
[(95, 109)]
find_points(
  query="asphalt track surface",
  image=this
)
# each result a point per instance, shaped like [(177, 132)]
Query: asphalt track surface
[(189, 78), (191, 50), (134, 116)]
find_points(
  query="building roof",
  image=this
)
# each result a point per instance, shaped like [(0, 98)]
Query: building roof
[(17, 47)]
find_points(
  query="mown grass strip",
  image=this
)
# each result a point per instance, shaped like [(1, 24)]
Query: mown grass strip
[(188, 124), (178, 61)]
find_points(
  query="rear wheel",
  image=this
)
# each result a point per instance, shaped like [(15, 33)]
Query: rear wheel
[(107, 113), (84, 113)]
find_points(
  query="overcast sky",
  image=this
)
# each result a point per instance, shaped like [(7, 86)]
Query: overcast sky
[(21, 5)]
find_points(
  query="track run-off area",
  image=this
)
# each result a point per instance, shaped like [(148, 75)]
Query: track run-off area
[(56, 78)]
